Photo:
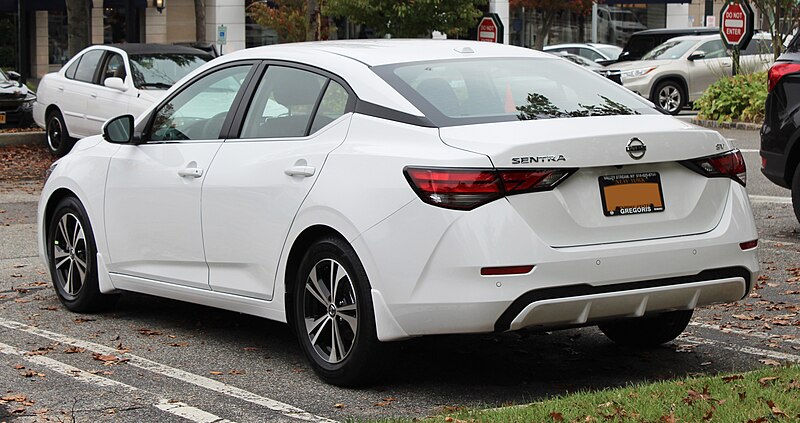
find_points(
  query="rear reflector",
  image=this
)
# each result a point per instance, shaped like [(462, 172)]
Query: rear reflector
[(508, 270), (778, 71), (466, 189), (749, 245), (726, 165)]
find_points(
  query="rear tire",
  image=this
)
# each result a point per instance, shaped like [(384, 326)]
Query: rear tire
[(669, 96), (336, 332), (648, 331), (58, 140), (72, 259), (796, 193)]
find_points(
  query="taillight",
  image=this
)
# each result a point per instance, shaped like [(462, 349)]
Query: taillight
[(466, 189), (727, 165), (778, 71)]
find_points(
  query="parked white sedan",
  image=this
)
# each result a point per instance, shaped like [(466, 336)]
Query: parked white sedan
[(370, 191), (105, 81)]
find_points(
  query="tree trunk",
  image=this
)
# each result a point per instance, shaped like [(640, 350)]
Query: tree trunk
[(544, 29), (200, 21), (78, 15), (313, 20)]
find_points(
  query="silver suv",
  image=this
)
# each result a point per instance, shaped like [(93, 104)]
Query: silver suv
[(678, 71)]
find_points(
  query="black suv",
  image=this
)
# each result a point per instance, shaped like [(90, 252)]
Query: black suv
[(643, 41), (780, 148)]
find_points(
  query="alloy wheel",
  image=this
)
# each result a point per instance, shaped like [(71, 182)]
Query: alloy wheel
[(669, 98), (54, 133), (70, 256), (330, 311)]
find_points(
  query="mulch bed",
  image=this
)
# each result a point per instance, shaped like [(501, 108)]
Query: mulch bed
[(24, 163)]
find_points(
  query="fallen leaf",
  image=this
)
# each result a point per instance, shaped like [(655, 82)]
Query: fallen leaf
[(557, 417), (744, 317), (775, 410), (149, 332), (215, 373), (236, 372), (74, 350), (19, 367), (727, 379), (84, 320), (179, 344), (669, 419), (338, 405), (764, 381), (106, 358), (770, 362)]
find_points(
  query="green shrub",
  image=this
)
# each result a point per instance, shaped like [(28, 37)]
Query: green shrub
[(739, 98)]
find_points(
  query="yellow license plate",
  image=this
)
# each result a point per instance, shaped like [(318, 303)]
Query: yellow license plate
[(633, 193), (2, 118)]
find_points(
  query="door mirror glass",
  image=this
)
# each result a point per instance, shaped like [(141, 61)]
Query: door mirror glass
[(115, 83), (698, 54), (119, 130)]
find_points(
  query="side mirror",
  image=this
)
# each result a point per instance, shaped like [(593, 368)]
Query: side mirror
[(115, 83), (13, 76), (119, 130), (698, 54)]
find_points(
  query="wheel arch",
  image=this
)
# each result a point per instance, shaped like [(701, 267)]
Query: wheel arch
[(671, 77), (55, 198), (54, 108), (792, 159)]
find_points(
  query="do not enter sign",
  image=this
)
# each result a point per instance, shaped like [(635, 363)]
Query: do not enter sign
[(736, 24), (490, 29)]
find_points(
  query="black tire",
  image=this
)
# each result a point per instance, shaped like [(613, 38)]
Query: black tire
[(352, 362), (669, 96), (72, 259), (648, 331), (796, 192), (58, 140)]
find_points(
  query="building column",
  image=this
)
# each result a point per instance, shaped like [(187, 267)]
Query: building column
[(98, 36), (678, 16), (41, 48), (155, 26), (231, 14), (501, 8)]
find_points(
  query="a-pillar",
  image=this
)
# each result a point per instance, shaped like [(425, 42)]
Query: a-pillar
[(231, 14), (501, 8)]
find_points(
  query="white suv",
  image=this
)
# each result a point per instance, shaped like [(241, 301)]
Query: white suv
[(102, 82), (679, 71)]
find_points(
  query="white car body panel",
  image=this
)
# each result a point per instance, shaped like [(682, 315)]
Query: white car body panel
[(159, 233)]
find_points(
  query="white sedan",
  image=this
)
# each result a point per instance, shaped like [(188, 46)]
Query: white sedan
[(105, 81), (373, 191)]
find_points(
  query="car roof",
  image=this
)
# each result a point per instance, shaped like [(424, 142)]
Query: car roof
[(143, 48), (377, 52), (687, 31), (552, 46)]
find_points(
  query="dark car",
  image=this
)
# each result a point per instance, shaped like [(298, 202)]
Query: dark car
[(16, 101), (643, 41), (780, 148)]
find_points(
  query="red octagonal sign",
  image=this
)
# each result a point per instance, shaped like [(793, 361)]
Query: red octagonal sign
[(487, 30), (736, 24)]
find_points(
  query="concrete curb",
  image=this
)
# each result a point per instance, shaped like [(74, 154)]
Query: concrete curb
[(747, 126), (22, 138)]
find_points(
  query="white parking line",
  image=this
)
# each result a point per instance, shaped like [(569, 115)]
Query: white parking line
[(769, 199), (735, 331), (177, 408), (164, 370), (742, 349)]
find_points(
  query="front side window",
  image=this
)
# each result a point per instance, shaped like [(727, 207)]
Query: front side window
[(115, 68), (283, 104), (459, 92), (199, 111), (88, 65), (161, 71)]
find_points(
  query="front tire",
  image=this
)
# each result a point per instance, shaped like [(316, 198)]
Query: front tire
[(796, 193), (648, 331), (72, 259), (670, 97), (333, 314), (58, 140)]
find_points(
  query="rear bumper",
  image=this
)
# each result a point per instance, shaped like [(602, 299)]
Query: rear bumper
[(775, 168)]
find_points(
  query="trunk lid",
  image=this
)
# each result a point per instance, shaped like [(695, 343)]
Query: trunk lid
[(573, 213)]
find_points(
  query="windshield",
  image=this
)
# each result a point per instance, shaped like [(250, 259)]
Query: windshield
[(161, 71), (624, 17), (459, 92), (611, 51), (669, 50)]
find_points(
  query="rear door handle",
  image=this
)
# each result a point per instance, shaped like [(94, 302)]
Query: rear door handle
[(93, 95), (190, 172), (60, 89), (304, 171)]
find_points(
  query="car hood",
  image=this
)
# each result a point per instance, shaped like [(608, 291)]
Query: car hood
[(13, 89), (152, 96), (636, 64)]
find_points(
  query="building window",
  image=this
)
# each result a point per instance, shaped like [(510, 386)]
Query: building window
[(114, 25), (57, 37)]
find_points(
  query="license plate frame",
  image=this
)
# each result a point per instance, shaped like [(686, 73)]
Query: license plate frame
[(631, 194)]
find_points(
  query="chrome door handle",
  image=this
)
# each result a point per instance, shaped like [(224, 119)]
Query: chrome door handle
[(304, 171), (93, 95), (190, 172)]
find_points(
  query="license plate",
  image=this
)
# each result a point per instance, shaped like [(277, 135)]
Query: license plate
[(632, 193), (2, 118)]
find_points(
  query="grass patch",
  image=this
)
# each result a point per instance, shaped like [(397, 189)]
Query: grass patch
[(768, 395)]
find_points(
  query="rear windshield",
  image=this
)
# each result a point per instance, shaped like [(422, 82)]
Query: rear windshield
[(461, 92)]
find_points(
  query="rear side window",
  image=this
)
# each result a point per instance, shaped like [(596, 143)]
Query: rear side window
[(758, 46), (88, 65), (70, 73), (460, 92), (333, 105)]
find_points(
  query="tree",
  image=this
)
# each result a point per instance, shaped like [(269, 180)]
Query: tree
[(289, 18), (78, 14), (200, 20), (549, 10), (782, 16), (410, 18)]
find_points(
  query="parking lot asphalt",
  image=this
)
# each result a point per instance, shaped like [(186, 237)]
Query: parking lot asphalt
[(153, 359)]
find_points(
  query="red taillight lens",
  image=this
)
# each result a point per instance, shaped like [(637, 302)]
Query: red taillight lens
[(506, 270), (779, 70), (466, 189), (749, 245), (728, 165)]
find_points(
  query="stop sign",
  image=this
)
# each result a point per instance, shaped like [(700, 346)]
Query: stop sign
[(490, 29), (736, 24)]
